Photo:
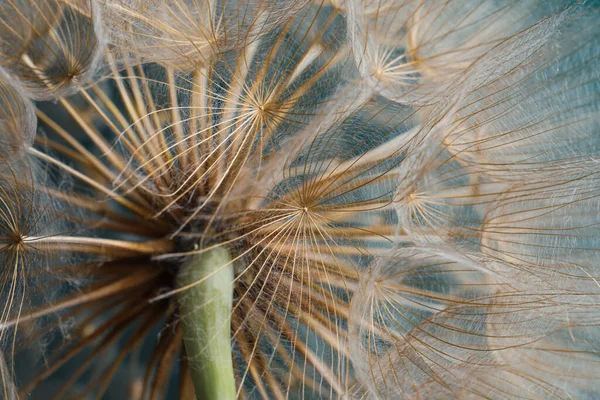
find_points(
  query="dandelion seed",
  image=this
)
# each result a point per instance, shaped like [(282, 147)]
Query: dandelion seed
[(430, 326), (17, 118), (52, 47), (190, 32), (413, 51)]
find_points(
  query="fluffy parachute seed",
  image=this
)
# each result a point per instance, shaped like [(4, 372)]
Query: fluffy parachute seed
[(509, 130), (511, 127), (398, 349), (429, 324), (413, 51), (17, 118), (188, 33), (53, 47), (26, 219), (442, 203)]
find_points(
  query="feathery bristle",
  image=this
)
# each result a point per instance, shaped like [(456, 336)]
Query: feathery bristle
[(52, 46)]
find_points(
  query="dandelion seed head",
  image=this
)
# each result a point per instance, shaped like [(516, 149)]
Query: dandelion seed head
[(405, 190)]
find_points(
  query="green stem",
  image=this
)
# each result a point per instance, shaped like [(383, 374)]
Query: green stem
[(206, 317)]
